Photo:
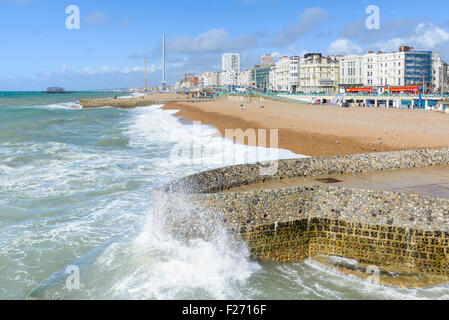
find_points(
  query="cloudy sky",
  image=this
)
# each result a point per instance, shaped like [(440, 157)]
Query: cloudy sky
[(38, 51)]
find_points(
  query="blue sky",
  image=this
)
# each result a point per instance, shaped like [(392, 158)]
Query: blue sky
[(107, 51)]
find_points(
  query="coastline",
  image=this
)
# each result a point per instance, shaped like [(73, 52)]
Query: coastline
[(314, 136)]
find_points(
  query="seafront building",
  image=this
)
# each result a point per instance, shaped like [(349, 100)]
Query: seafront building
[(439, 74), (352, 71), (210, 79), (190, 80), (228, 78), (314, 73), (244, 79), (260, 76), (285, 74), (319, 74), (406, 67), (231, 63), (447, 77), (396, 69), (267, 60)]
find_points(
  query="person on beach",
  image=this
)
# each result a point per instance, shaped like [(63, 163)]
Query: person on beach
[(242, 107)]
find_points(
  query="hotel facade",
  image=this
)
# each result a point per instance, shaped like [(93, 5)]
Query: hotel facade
[(406, 67), (318, 74)]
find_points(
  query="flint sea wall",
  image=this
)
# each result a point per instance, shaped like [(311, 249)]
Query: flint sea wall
[(130, 103), (397, 232)]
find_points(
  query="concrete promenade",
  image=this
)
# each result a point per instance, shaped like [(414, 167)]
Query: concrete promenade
[(382, 101)]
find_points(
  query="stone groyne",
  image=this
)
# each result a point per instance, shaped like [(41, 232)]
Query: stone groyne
[(129, 103), (395, 231)]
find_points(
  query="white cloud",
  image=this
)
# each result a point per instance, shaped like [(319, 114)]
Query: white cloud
[(430, 36), (96, 18), (107, 70), (425, 36), (344, 47), (308, 20), (214, 40), (422, 36)]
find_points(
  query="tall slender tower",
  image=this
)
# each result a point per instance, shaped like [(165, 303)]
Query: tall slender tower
[(145, 74), (164, 83)]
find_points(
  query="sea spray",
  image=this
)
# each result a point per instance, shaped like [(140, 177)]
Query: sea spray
[(200, 258)]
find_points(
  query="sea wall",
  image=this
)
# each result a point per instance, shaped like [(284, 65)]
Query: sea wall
[(129, 103), (397, 232), (230, 177)]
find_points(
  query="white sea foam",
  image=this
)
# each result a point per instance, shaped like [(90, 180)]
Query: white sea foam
[(168, 269), (132, 95), (62, 105), (332, 282), (196, 144)]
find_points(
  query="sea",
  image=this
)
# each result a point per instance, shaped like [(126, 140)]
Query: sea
[(76, 211)]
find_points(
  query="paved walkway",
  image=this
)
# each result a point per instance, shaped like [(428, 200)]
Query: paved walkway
[(429, 181)]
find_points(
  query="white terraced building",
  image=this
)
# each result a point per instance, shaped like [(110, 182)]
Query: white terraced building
[(439, 74), (244, 79), (210, 79), (228, 78), (284, 76), (351, 71), (404, 68), (384, 69)]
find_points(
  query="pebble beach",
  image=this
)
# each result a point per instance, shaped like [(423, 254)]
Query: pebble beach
[(325, 130)]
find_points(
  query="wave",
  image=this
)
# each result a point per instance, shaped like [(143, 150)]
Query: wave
[(132, 95), (196, 144), (63, 105)]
